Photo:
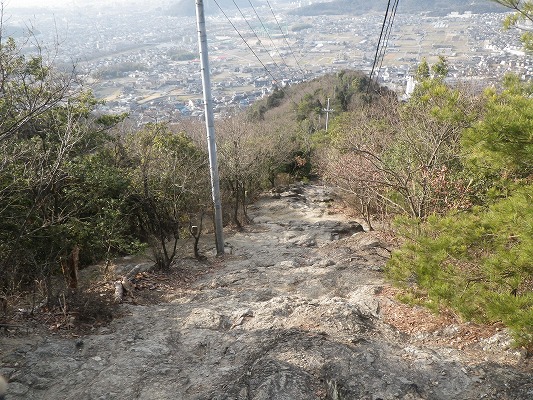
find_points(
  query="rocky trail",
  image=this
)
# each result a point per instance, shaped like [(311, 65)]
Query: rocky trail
[(299, 310)]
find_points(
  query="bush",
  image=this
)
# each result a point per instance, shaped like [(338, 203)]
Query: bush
[(480, 263)]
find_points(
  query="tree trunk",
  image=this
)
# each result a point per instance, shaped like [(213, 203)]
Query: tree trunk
[(69, 266), (237, 193)]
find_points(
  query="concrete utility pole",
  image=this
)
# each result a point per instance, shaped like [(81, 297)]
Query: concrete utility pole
[(327, 110), (210, 125)]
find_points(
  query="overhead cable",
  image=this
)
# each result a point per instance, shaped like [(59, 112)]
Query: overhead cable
[(257, 37), (286, 41), (245, 41), (387, 36), (252, 50), (384, 29)]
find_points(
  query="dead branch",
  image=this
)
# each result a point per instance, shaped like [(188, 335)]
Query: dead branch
[(119, 291)]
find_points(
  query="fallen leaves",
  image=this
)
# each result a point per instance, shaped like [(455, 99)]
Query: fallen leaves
[(444, 328)]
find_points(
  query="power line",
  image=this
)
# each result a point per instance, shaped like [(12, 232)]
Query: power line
[(245, 41), (253, 52), (387, 36), (268, 34), (252, 29), (272, 41), (270, 37), (386, 28), (286, 41), (379, 41)]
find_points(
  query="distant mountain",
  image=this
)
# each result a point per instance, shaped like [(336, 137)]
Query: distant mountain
[(187, 8), (18, 31), (428, 7)]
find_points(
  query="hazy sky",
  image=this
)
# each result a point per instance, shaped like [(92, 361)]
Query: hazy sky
[(33, 3), (54, 3)]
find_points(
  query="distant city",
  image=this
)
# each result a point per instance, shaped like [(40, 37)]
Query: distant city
[(145, 63)]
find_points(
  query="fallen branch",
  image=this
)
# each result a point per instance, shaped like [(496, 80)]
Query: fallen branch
[(134, 271), (128, 285), (3, 302), (119, 292), (7, 326), (124, 287)]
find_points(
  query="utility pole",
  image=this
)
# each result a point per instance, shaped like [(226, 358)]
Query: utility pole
[(327, 110), (210, 125)]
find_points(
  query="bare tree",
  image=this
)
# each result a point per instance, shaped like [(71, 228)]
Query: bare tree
[(250, 156), (394, 155), (29, 85)]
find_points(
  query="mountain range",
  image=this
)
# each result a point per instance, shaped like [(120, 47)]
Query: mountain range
[(426, 7), (348, 7)]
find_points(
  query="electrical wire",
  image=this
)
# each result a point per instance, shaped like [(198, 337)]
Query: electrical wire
[(245, 41), (257, 37), (387, 36), (269, 37), (286, 41), (298, 92), (380, 43), (379, 40), (253, 52)]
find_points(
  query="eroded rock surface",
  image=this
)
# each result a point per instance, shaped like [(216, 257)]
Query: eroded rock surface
[(293, 313)]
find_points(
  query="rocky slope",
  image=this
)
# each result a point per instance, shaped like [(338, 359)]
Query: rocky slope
[(298, 310)]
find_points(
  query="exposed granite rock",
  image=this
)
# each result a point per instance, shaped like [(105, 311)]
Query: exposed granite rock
[(292, 314)]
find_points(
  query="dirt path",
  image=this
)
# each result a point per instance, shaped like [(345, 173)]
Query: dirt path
[(299, 310)]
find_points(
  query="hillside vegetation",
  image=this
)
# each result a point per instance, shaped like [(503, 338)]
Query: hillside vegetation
[(457, 168), (453, 168)]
